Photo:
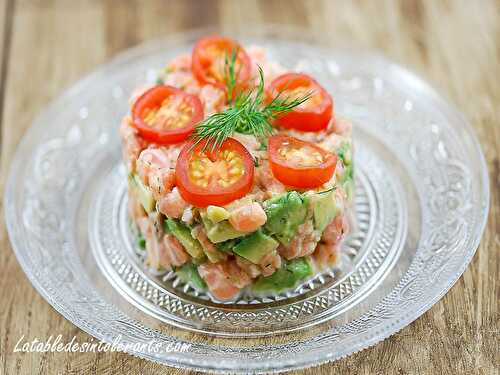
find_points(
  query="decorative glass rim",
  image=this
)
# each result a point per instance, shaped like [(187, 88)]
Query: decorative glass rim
[(314, 355)]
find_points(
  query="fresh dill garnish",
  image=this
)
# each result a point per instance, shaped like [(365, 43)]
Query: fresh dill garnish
[(262, 146), (328, 190), (246, 112), (230, 74)]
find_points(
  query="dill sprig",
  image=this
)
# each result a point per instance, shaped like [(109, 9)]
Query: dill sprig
[(334, 187), (246, 112), (230, 74)]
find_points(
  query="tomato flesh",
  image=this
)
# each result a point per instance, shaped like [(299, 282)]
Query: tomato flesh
[(166, 115), (300, 164), (214, 178), (311, 116), (209, 57)]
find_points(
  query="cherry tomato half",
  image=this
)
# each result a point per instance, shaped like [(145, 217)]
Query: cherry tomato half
[(311, 116), (209, 57), (165, 114), (299, 163), (214, 178)]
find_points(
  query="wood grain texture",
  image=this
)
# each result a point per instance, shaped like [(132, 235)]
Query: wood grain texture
[(47, 45), (5, 37)]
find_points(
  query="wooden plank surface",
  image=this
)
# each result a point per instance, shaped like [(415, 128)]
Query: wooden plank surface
[(5, 36), (46, 46)]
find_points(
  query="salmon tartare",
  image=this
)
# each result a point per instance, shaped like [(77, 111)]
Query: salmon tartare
[(240, 174)]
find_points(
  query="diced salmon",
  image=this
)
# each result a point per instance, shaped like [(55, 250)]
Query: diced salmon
[(332, 141), (259, 59), (238, 277), (156, 168), (126, 129), (238, 203), (303, 243), (251, 269), (151, 160), (180, 63), (340, 200), (270, 263), (174, 252), (225, 279), (213, 99), (266, 179), (341, 126), (143, 224), (153, 245), (157, 221), (161, 182), (334, 231), (178, 74), (184, 81), (172, 204), (248, 140), (132, 144), (326, 254), (248, 218)]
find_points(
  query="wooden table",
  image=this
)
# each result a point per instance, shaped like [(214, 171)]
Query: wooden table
[(45, 46)]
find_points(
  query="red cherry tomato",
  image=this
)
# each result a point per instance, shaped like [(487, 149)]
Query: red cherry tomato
[(208, 61), (311, 116), (214, 178), (165, 114), (299, 163)]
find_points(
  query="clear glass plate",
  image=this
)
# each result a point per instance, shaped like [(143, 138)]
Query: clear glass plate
[(421, 204)]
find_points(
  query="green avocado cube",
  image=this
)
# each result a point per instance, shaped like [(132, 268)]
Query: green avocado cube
[(324, 209), (227, 246), (344, 153), (221, 231), (284, 215), (141, 241), (189, 274), (348, 173), (217, 214), (255, 246), (183, 234), (286, 277), (142, 193)]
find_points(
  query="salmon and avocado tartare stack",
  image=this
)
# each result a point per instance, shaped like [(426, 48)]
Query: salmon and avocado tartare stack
[(240, 174)]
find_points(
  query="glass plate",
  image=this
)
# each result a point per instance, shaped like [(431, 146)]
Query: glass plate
[(421, 204)]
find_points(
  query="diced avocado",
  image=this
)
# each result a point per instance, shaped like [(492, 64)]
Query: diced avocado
[(348, 173), (183, 234), (344, 153), (217, 214), (141, 242), (284, 278), (189, 274), (142, 192), (213, 255), (284, 214), (227, 246), (221, 231), (255, 246), (348, 186), (324, 209)]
